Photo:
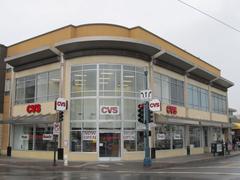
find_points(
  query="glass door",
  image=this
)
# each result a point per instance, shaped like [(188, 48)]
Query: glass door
[(109, 146)]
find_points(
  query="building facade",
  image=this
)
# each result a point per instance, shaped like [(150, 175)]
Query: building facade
[(99, 69)]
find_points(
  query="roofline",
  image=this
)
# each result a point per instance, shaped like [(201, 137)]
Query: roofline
[(67, 26), (109, 24), (174, 45)]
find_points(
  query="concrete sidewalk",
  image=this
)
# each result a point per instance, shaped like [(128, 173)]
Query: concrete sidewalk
[(47, 165)]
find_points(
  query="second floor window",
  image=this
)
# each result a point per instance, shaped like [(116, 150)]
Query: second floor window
[(197, 98), (37, 88), (169, 90)]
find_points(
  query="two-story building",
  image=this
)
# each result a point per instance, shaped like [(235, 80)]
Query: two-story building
[(99, 69)]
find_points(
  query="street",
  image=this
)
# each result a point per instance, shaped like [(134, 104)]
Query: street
[(221, 169)]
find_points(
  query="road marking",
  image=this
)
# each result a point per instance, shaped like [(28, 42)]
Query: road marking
[(205, 167), (182, 172), (103, 165)]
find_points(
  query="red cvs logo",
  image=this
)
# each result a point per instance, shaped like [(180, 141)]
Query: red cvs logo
[(113, 110), (171, 110), (34, 108)]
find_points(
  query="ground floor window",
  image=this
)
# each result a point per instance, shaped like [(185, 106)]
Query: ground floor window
[(195, 136), (33, 137), (169, 137), (83, 141), (133, 140)]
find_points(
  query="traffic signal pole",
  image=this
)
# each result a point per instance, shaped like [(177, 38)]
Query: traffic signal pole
[(147, 162)]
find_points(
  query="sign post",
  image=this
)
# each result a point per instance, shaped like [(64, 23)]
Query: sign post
[(146, 95), (56, 132)]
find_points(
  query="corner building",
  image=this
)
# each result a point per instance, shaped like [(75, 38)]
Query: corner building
[(99, 69)]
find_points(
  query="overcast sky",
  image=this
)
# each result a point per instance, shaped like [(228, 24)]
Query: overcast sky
[(169, 19)]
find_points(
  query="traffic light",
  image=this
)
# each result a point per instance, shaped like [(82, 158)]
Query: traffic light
[(60, 116), (141, 113), (150, 115)]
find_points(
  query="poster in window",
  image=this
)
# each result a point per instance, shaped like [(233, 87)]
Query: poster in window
[(177, 136), (161, 136), (89, 135), (25, 137), (47, 137), (129, 136)]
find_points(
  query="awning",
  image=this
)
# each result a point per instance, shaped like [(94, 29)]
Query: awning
[(235, 125), (33, 119), (215, 124), (107, 42), (34, 58)]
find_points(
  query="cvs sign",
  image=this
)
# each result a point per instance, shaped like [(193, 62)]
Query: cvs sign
[(61, 104), (33, 108), (155, 105), (109, 110)]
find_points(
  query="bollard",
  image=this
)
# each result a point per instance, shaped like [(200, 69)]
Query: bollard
[(65, 160)]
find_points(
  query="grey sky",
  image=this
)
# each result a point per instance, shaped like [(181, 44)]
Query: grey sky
[(171, 20)]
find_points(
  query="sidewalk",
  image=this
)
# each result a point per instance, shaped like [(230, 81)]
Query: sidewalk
[(47, 165)]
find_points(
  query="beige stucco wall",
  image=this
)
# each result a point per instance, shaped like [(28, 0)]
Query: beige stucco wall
[(83, 156), (33, 154), (199, 150), (196, 114), (170, 153), (219, 117), (137, 155)]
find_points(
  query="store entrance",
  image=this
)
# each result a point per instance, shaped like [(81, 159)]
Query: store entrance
[(109, 146)]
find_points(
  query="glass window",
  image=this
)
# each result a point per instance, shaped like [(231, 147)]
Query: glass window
[(219, 103), (129, 138), (140, 140), (163, 137), (37, 88), (42, 87), (195, 136), (197, 98), (54, 80), (23, 137), (109, 80), (33, 137), (130, 107), (89, 141), (30, 89), (76, 141), (169, 90), (43, 137), (83, 81), (177, 136), (83, 109)]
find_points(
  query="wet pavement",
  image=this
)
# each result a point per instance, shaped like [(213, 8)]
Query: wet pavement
[(198, 167)]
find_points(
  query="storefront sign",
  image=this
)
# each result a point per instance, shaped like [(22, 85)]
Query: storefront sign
[(129, 136), (47, 137), (177, 137), (109, 110), (155, 105), (56, 128), (89, 135), (61, 104), (25, 137), (161, 136), (33, 108), (171, 110)]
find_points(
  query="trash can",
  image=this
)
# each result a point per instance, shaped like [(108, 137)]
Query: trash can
[(60, 153), (153, 153), (9, 151), (188, 150)]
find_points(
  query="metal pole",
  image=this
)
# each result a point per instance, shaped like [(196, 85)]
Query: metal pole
[(147, 159), (55, 149)]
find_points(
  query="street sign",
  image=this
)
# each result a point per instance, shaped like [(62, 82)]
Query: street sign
[(146, 94), (61, 104), (56, 128), (155, 105)]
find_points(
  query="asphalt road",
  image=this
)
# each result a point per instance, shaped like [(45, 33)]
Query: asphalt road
[(224, 169)]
